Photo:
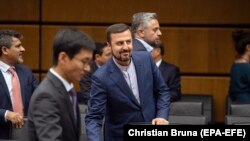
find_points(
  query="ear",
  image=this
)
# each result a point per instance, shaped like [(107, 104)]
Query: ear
[(5, 50), (63, 57), (97, 56), (108, 44), (140, 32)]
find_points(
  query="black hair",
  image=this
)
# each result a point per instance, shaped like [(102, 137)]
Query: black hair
[(99, 48), (241, 40), (71, 41), (6, 36), (116, 28)]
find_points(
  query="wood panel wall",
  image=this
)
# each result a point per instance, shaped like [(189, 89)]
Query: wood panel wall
[(19, 10), (169, 11), (30, 42), (196, 34)]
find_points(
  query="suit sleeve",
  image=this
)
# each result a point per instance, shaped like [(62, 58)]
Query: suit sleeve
[(96, 108), (161, 90), (2, 116), (35, 83)]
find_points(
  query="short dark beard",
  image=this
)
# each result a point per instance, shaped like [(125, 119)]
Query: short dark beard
[(120, 59)]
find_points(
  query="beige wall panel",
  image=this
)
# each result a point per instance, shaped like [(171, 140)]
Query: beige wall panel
[(215, 86), (19, 10), (169, 11), (30, 43), (48, 33), (199, 50)]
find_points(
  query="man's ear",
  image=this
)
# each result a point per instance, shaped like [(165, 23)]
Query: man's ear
[(63, 57), (97, 56), (140, 32), (108, 44), (5, 50)]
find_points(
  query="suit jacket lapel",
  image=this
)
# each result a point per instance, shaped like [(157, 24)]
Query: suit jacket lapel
[(117, 76), (61, 89), (140, 76), (3, 86), (162, 66)]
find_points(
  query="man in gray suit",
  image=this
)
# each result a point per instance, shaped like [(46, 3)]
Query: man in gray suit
[(146, 31), (53, 113)]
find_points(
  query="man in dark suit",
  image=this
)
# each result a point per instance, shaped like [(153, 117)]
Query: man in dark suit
[(170, 72), (11, 51), (53, 113), (128, 88), (101, 55), (146, 31)]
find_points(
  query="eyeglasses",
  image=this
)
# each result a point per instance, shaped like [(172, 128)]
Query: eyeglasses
[(85, 63)]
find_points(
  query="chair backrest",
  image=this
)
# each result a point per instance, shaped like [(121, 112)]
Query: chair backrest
[(237, 120), (240, 110), (238, 113), (83, 108), (207, 101), (182, 108), (8, 140), (83, 135), (187, 113), (187, 120)]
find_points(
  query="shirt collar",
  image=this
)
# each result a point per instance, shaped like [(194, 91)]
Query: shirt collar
[(123, 68), (158, 63), (148, 47), (4, 67), (68, 86)]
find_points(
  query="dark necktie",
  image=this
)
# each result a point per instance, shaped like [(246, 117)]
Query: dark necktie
[(74, 103)]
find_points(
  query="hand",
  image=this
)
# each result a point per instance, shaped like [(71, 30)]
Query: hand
[(160, 121), (15, 118)]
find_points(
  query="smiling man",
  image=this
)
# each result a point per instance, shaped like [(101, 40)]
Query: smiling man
[(17, 83), (128, 88)]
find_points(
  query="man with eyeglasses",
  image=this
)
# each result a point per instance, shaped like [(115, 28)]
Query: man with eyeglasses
[(54, 114)]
